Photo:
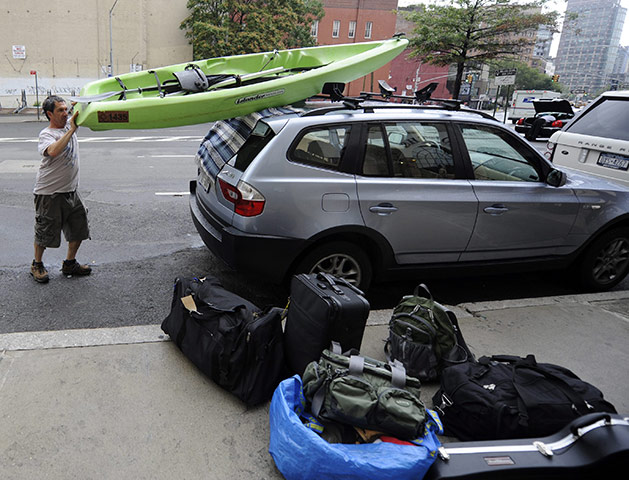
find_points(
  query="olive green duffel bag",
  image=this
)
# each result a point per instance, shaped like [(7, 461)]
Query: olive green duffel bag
[(365, 393)]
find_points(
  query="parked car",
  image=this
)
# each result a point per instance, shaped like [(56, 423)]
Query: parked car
[(550, 117), (597, 140), (391, 191)]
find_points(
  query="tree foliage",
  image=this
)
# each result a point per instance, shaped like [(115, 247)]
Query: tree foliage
[(465, 31), (527, 78), (233, 27)]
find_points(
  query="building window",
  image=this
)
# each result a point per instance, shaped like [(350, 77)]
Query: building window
[(352, 29), (368, 27), (336, 28), (314, 30)]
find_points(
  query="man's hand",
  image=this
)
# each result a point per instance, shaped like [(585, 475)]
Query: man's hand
[(73, 126)]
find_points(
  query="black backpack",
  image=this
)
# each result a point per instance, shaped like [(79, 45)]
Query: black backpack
[(505, 396), (425, 336), (232, 341)]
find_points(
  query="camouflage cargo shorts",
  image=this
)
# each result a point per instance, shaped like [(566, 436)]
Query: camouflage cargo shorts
[(57, 212)]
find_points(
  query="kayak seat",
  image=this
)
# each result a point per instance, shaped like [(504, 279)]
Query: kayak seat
[(193, 80)]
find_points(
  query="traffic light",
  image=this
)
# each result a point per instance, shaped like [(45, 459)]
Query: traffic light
[(555, 78), (470, 78)]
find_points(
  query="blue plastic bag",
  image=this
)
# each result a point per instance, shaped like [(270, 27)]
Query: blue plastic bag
[(300, 453)]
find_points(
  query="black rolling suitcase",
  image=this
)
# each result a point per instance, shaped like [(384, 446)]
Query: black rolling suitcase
[(594, 446), (232, 341), (322, 308)]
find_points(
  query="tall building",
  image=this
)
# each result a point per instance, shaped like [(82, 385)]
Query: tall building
[(589, 45)]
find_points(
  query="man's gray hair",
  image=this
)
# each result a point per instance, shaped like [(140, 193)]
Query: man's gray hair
[(49, 104)]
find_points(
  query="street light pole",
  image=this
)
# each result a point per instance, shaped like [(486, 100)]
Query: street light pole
[(111, 49)]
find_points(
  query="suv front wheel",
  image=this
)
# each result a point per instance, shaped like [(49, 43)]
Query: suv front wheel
[(341, 259), (606, 262)]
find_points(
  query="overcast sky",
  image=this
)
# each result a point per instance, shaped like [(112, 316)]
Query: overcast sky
[(558, 5)]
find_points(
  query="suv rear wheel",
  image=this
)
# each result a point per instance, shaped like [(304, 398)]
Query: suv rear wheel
[(606, 262), (341, 259)]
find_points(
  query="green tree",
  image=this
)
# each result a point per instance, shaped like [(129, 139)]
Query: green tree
[(475, 31), (218, 28)]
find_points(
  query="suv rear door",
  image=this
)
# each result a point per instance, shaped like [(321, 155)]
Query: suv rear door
[(597, 140), (411, 191), (519, 214)]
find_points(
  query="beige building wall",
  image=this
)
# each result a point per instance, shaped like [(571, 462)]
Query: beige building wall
[(68, 43)]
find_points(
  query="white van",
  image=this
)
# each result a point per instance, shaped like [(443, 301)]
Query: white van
[(522, 102), (596, 141)]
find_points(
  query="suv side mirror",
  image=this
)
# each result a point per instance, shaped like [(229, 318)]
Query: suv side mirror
[(556, 178)]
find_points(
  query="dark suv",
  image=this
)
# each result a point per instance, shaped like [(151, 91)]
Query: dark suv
[(384, 191)]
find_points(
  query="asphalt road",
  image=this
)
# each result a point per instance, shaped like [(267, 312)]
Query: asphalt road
[(135, 185)]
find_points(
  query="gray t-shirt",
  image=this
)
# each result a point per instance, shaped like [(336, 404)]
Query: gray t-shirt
[(58, 174)]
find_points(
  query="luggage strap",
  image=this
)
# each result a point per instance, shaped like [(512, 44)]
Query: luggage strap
[(356, 368), (579, 404)]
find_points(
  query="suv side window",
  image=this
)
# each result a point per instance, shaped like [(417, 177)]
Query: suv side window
[(495, 155), (416, 150), (607, 119), (322, 146)]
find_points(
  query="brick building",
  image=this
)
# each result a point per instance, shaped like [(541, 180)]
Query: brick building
[(409, 74), (353, 21)]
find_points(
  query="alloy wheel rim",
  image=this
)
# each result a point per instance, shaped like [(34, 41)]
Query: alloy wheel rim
[(611, 261), (339, 265)]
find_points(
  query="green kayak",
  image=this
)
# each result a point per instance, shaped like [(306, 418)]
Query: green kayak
[(227, 87)]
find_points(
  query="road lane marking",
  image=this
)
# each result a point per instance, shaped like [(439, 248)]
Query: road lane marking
[(112, 139)]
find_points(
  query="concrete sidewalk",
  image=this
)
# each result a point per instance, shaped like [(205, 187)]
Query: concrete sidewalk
[(125, 403)]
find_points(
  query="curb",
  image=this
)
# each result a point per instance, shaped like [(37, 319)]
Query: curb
[(585, 298), (44, 340), (89, 337)]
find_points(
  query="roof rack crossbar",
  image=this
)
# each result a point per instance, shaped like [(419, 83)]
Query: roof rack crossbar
[(333, 92)]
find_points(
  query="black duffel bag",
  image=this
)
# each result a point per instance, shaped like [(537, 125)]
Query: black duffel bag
[(232, 341), (506, 396)]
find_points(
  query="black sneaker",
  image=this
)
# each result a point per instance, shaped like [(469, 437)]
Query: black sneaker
[(39, 272), (72, 267)]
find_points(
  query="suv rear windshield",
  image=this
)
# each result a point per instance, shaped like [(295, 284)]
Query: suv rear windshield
[(257, 140), (608, 119)]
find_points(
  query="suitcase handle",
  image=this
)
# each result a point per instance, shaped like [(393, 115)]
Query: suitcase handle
[(334, 281), (587, 420), (329, 279)]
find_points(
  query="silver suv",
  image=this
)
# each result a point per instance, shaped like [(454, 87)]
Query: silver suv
[(386, 191)]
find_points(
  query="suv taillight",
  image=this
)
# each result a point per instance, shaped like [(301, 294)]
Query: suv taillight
[(557, 123), (247, 201), (520, 121)]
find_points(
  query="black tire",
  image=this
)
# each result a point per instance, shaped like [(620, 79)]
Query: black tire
[(605, 263), (342, 259)]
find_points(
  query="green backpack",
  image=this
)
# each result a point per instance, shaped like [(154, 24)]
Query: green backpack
[(425, 336), (365, 393)]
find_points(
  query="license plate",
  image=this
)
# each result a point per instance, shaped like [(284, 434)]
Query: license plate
[(616, 162), (205, 180)]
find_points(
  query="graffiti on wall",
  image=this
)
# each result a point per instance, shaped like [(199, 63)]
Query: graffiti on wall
[(13, 87)]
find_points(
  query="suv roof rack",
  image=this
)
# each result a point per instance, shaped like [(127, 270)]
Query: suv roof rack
[(333, 92)]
